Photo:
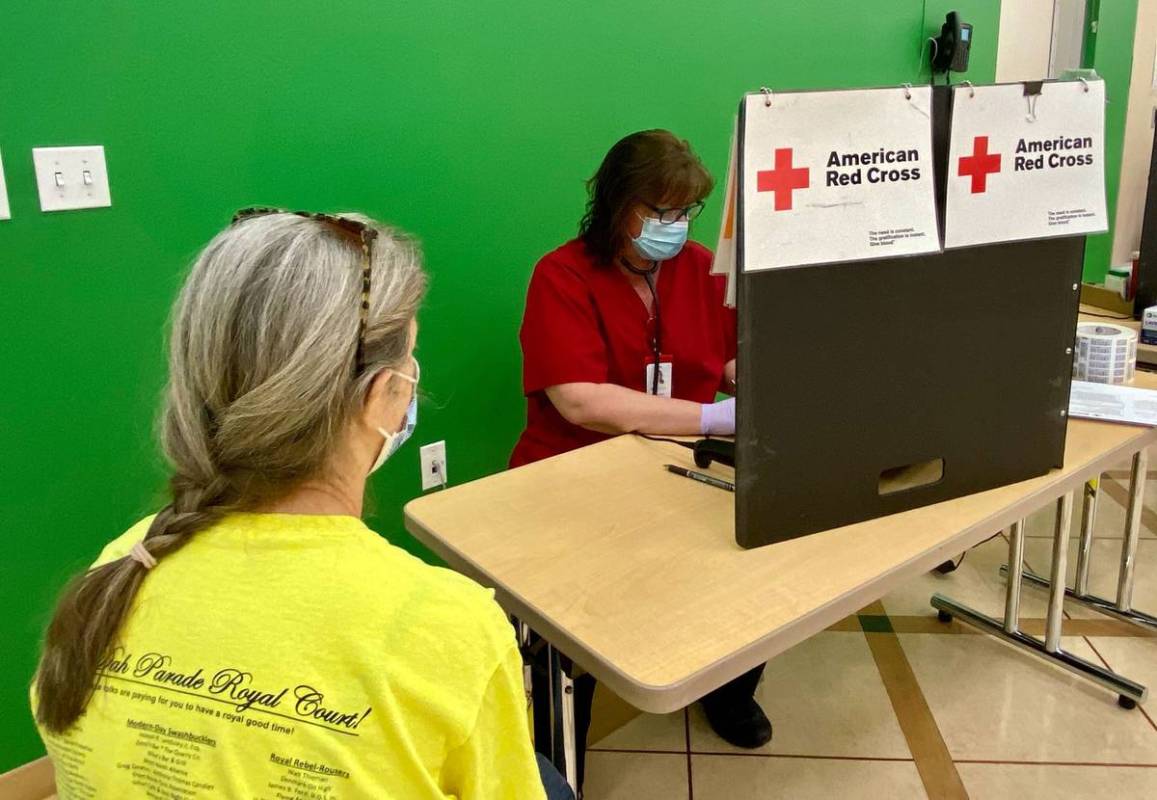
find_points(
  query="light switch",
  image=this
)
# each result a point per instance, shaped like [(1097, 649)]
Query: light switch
[(5, 211), (71, 177)]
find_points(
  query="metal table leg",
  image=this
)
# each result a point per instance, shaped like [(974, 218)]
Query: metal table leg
[(1129, 693), (1056, 613), (1122, 607), (1132, 531), (565, 757), (1012, 590), (1090, 601), (559, 706), (1088, 524), (522, 632)]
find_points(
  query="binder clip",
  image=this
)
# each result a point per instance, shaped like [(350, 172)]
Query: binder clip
[(1032, 93)]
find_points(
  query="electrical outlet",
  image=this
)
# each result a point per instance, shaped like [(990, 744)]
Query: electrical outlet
[(433, 458)]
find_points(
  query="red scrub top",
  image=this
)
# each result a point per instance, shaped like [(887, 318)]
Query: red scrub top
[(585, 323)]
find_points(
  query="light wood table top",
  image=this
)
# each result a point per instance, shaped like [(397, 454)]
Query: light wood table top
[(634, 572)]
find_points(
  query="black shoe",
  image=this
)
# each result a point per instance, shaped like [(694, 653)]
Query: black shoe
[(741, 723)]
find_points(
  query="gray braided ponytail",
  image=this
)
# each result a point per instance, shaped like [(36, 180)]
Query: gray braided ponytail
[(259, 394)]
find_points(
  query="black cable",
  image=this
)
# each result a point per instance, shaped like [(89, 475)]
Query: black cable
[(688, 445), (943, 569), (1105, 316), (932, 58)]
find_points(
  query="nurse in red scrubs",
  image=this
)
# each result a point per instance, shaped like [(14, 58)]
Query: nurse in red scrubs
[(605, 308)]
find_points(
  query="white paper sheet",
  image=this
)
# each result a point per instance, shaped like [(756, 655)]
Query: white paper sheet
[(1113, 403), (724, 261), (1025, 167), (837, 176)]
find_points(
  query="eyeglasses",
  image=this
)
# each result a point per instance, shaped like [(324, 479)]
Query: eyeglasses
[(352, 227), (668, 216)]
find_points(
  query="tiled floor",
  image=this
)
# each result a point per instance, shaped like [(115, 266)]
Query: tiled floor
[(913, 708)]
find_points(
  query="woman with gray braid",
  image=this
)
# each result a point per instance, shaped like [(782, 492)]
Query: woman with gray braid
[(254, 638)]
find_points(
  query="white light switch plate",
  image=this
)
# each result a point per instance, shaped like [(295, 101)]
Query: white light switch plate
[(5, 210), (71, 177), (432, 454)]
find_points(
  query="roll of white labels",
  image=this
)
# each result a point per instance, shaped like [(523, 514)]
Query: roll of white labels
[(1105, 353)]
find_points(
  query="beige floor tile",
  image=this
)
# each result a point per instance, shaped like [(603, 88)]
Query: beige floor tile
[(1050, 782), (1111, 515), (754, 778), (635, 776), (1039, 524), (1135, 658), (977, 583), (1103, 570), (825, 698), (1150, 487), (648, 732), (1126, 462), (1110, 520), (991, 701)]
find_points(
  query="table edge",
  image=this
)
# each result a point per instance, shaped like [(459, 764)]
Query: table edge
[(665, 698)]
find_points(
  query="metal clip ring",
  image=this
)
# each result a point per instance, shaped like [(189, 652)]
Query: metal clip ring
[(766, 96), (971, 88), (907, 90)]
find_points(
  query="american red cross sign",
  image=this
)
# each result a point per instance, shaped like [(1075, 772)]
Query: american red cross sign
[(1015, 175), (835, 176)]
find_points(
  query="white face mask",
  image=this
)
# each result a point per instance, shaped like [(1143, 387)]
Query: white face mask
[(392, 441), (659, 241)]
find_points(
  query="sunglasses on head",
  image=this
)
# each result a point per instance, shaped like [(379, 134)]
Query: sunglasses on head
[(350, 227)]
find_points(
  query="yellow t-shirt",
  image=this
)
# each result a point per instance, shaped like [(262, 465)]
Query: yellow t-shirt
[(280, 657)]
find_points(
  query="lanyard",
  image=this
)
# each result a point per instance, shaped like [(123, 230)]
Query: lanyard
[(657, 335)]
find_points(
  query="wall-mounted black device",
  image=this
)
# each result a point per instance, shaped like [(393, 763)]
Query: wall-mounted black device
[(950, 48)]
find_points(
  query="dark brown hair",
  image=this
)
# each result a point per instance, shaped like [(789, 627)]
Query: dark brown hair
[(655, 167)]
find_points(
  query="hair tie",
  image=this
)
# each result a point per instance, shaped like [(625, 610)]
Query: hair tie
[(142, 556)]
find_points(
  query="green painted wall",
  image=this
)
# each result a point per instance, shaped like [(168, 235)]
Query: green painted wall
[(471, 124), (1110, 52)]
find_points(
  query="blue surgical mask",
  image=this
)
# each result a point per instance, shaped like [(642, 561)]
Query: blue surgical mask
[(392, 441), (659, 242)]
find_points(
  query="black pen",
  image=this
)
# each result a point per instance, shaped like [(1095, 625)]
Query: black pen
[(718, 483)]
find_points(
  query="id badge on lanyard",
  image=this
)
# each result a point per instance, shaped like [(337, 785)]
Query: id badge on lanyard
[(666, 374), (656, 383)]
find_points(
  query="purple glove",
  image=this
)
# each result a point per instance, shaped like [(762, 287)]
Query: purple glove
[(718, 419)]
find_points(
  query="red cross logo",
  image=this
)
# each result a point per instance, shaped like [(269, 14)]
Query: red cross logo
[(783, 179), (979, 165)]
